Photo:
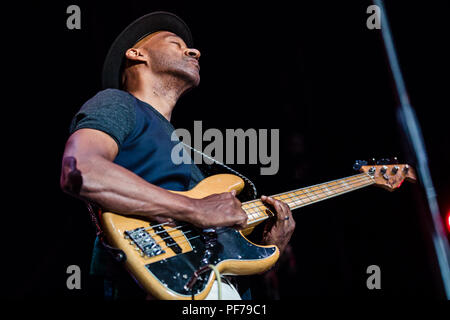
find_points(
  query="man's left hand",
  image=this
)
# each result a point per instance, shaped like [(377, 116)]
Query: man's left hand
[(279, 232)]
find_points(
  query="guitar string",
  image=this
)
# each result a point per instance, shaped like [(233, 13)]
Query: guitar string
[(320, 187), (173, 237), (355, 181), (362, 183), (317, 193), (265, 216), (192, 238), (260, 204), (188, 239), (302, 202), (321, 193), (165, 230), (262, 215), (325, 186), (358, 175)]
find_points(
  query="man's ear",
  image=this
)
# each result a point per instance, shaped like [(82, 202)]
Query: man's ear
[(136, 55)]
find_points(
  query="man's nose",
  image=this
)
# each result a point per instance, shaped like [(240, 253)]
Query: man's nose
[(193, 53)]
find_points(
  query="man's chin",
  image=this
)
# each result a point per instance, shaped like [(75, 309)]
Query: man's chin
[(196, 81), (193, 77), (190, 76)]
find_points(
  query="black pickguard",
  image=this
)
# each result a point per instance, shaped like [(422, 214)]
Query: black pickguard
[(228, 244)]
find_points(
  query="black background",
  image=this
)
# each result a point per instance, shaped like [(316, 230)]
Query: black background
[(311, 69)]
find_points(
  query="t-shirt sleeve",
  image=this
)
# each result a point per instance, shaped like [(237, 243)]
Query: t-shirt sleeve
[(111, 111)]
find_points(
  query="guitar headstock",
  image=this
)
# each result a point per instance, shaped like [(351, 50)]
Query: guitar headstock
[(387, 175)]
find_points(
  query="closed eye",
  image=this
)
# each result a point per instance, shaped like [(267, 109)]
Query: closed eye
[(177, 43)]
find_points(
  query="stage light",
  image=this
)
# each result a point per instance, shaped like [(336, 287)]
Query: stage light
[(448, 221)]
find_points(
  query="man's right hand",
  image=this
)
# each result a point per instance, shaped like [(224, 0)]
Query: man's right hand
[(219, 210)]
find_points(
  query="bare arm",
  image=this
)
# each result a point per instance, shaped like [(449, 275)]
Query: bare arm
[(92, 152)]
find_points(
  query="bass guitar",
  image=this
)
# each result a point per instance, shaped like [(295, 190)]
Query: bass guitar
[(172, 262)]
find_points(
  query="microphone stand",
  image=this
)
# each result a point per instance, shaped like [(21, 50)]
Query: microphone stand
[(409, 125)]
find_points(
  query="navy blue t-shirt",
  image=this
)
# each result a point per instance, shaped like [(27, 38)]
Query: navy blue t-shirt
[(143, 137)]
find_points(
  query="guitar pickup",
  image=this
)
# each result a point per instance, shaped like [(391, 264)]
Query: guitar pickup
[(144, 242), (168, 240)]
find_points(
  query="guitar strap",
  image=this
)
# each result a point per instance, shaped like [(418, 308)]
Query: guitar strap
[(95, 212), (210, 166)]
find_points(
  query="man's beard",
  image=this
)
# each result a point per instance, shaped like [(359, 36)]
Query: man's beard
[(182, 70)]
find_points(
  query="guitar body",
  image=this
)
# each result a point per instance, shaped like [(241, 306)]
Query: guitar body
[(163, 259)]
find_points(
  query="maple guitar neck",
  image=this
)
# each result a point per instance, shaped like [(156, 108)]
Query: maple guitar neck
[(257, 210)]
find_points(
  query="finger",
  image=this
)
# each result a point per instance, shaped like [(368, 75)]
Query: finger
[(286, 209), (243, 219), (288, 216), (283, 211), (278, 205), (289, 219), (166, 221), (269, 200), (273, 203), (241, 225)]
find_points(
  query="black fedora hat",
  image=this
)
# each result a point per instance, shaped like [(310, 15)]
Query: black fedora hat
[(137, 30)]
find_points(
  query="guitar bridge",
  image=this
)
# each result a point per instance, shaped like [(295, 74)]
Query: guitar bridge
[(144, 242)]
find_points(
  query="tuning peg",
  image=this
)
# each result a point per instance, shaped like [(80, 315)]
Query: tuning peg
[(358, 164), (394, 169), (406, 168)]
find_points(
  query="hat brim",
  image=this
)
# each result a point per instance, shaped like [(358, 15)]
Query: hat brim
[(137, 30)]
